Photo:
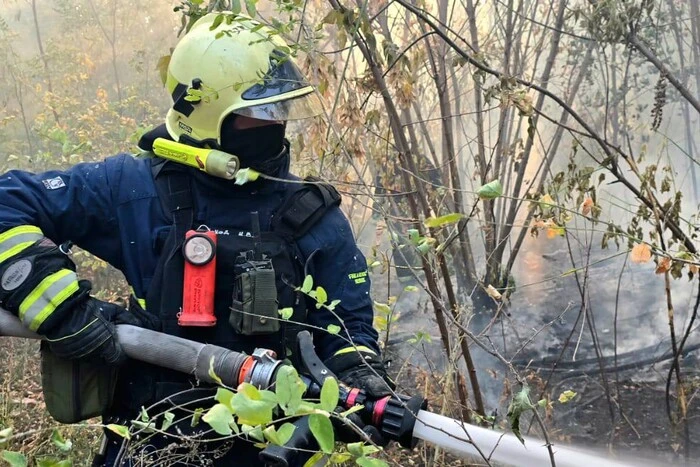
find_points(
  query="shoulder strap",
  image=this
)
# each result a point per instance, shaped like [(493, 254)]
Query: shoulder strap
[(305, 207), (175, 194)]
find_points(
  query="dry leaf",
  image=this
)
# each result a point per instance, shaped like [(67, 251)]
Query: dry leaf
[(555, 231), (546, 199), (493, 293), (586, 206), (641, 253), (693, 268), (663, 265)]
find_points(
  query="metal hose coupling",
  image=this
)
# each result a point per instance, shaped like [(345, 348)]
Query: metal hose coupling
[(259, 369)]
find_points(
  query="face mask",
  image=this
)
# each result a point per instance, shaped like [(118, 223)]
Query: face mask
[(259, 148)]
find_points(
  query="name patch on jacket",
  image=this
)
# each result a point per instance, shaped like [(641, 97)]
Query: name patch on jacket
[(54, 183), (358, 277)]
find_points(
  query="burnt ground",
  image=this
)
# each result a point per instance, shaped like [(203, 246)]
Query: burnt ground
[(633, 421)]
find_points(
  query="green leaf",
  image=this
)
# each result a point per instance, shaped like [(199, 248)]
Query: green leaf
[(333, 304), (314, 459), (252, 406), (254, 432), (519, 405), (250, 6), (224, 396), (322, 429), (333, 329), (196, 416), (212, 373), (443, 220), (419, 337), (219, 418), (289, 389), (329, 394), (308, 284), (144, 427), (168, 418), (162, 67), (246, 175), (411, 288), (491, 190), (15, 459), (382, 308), (340, 458), (321, 296), (53, 462), (143, 415), (368, 449), (285, 432), (280, 436), (352, 410), (414, 236), (58, 441), (424, 247), (5, 433), (217, 22), (333, 17), (356, 449), (121, 430), (286, 313), (236, 7), (370, 462)]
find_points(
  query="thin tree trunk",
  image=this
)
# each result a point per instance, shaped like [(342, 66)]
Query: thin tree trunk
[(44, 60), (546, 74), (405, 157), (684, 104), (554, 147)]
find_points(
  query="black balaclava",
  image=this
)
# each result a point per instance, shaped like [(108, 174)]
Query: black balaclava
[(260, 148)]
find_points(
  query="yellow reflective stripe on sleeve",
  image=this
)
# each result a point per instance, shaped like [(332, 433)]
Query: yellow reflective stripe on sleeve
[(46, 297), (360, 348), (18, 239)]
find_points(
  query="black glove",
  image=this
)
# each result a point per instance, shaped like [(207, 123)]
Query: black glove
[(89, 333), (363, 370), (348, 433)]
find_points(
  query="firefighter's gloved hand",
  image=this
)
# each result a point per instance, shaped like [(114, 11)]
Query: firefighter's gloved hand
[(89, 332), (362, 369), (351, 429)]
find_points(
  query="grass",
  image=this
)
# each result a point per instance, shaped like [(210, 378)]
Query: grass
[(22, 408)]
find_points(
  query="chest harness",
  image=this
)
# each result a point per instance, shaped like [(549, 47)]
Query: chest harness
[(255, 277)]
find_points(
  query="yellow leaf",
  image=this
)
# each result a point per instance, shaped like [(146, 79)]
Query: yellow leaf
[(566, 396), (555, 231), (663, 265), (586, 206), (641, 253), (493, 293), (546, 199)]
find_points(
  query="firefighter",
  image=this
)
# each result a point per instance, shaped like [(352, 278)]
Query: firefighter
[(233, 89)]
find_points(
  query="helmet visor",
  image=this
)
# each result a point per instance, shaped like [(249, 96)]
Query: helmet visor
[(305, 106)]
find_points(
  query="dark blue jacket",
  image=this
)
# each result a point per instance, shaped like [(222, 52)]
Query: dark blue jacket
[(112, 210)]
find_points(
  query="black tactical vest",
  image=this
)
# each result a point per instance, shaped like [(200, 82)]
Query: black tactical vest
[(303, 205)]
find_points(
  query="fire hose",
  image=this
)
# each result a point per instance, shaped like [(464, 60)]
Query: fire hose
[(399, 418)]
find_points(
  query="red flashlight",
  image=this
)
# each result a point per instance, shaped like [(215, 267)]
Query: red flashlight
[(199, 251)]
